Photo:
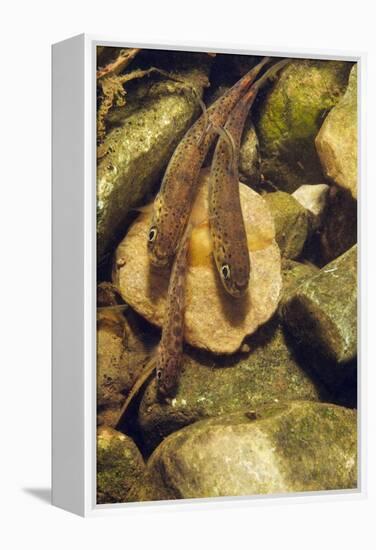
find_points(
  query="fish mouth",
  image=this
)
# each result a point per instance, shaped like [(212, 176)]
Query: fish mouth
[(167, 392), (237, 291), (158, 260)]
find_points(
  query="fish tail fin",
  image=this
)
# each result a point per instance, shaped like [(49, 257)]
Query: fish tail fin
[(250, 77), (269, 74)]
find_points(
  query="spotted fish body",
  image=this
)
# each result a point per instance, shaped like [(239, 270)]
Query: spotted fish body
[(230, 246), (169, 355), (174, 201)]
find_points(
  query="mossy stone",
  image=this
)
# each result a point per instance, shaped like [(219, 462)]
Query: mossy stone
[(294, 273), (211, 386), (119, 465), (281, 448), (291, 116), (291, 223), (322, 311)]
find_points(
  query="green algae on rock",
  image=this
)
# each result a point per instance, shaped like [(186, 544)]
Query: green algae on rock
[(337, 141), (119, 465), (137, 152), (211, 386), (291, 223), (291, 116), (280, 448), (322, 311), (294, 273)]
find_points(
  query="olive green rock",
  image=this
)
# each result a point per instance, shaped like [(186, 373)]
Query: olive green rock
[(294, 273), (211, 386), (137, 153), (291, 223), (119, 465), (282, 448), (322, 311), (249, 160), (337, 141), (291, 116)]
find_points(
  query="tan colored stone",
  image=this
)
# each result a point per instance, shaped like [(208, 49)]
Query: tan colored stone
[(337, 141), (214, 320)]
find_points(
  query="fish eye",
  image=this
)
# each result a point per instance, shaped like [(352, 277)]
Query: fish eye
[(159, 374), (152, 234), (225, 270)]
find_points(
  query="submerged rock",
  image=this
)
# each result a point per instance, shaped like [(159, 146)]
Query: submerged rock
[(291, 116), (337, 141), (214, 320), (291, 223), (314, 199), (212, 386), (119, 466), (110, 380), (340, 225), (137, 152), (122, 354), (249, 160), (294, 273), (322, 311), (290, 447)]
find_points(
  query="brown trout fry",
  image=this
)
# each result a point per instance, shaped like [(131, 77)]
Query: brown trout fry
[(230, 246), (174, 201), (170, 348)]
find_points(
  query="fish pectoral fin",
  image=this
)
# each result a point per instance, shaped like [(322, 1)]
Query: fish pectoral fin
[(147, 208)]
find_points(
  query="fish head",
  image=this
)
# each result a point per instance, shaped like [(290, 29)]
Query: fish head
[(234, 273), (168, 369), (161, 235)]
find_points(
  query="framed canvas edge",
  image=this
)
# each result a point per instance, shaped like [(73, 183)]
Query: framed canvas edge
[(91, 508)]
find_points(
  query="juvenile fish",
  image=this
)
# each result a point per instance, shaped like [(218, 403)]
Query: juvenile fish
[(170, 348), (230, 246), (173, 203)]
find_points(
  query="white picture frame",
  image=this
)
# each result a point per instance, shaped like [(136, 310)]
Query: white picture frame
[(74, 276)]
